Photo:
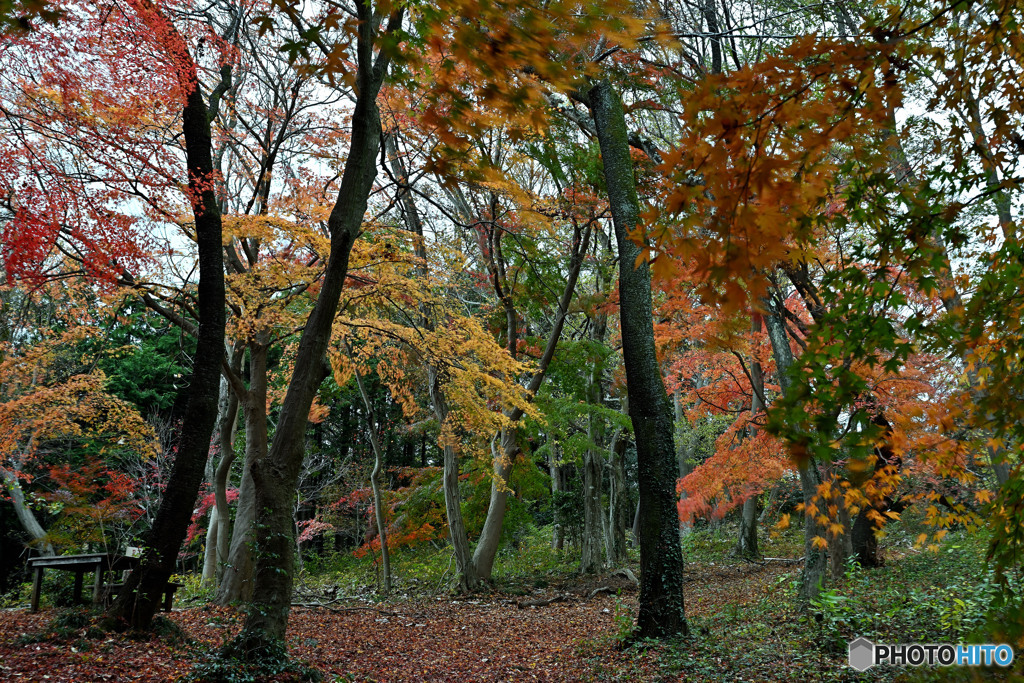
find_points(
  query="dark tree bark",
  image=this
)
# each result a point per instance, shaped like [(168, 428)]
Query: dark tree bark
[(276, 476), (661, 558), (746, 545), (143, 590)]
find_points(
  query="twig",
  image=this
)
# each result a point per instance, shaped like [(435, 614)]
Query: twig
[(783, 560), (542, 603), (326, 606)]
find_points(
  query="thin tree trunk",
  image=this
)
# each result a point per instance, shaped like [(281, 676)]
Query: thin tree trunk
[(490, 535), (220, 516), (662, 611), (209, 575), (237, 577), (222, 475), (815, 558), (618, 511), (557, 524), (685, 448), (469, 579), (592, 546), (747, 543), (378, 466)]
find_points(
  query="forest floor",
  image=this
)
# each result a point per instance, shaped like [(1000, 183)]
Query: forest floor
[(490, 637), (550, 624)]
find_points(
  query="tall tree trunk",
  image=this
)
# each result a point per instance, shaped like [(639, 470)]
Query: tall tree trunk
[(504, 457), (219, 528), (815, 559), (222, 475), (209, 574), (237, 578), (686, 439), (143, 590), (276, 476), (661, 559), (469, 578), (592, 545), (490, 535)]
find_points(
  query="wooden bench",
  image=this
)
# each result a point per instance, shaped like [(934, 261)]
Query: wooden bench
[(99, 563), (112, 589)]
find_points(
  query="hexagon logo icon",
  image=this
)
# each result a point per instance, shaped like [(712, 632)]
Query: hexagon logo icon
[(862, 654)]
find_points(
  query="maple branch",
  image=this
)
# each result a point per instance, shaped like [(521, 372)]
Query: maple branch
[(753, 385)]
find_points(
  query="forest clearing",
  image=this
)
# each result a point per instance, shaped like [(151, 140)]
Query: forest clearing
[(491, 339)]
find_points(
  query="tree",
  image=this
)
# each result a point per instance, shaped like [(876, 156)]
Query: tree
[(661, 561), (276, 475), (144, 587)]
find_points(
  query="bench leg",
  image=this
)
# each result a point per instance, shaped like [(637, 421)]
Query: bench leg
[(78, 587), (97, 585), (168, 597), (37, 586)]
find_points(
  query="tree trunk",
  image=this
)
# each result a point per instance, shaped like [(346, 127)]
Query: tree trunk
[(618, 503), (25, 515), (746, 546), (219, 528), (469, 579), (815, 558), (592, 546), (276, 476), (686, 444), (557, 487), (661, 559), (237, 577), (236, 574), (143, 590), (490, 535), (209, 575), (222, 475), (378, 465), (504, 457)]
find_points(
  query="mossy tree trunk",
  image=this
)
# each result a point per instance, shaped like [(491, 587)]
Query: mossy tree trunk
[(661, 559), (276, 476)]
